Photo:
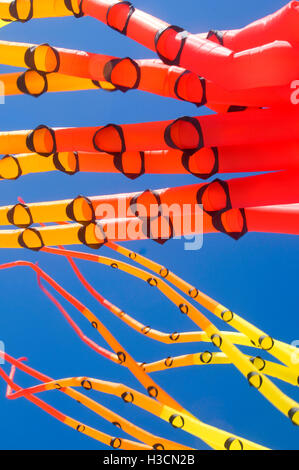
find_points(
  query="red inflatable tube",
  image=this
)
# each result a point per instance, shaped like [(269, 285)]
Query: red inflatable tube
[(149, 205), (126, 74), (36, 401), (254, 158), (280, 219), (281, 25), (253, 97), (185, 133), (260, 190), (274, 219), (89, 342), (40, 273), (133, 366), (202, 163), (14, 391), (272, 64), (148, 75)]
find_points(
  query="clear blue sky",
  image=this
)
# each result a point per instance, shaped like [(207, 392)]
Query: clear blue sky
[(256, 276)]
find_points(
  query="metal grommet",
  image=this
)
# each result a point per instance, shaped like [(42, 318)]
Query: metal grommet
[(115, 423), (177, 421), (206, 357), (233, 444), (164, 272), (258, 362), (293, 414), (121, 356), (255, 380), (168, 361), (152, 391), (158, 447), (193, 293), (127, 397), (184, 309), (86, 384), (266, 342), (115, 443), (80, 428), (145, 330), (227, 316), (216, 340), (174, 336)]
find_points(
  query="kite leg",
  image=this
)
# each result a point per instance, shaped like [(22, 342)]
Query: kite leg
[(282, 25), (273, 64)]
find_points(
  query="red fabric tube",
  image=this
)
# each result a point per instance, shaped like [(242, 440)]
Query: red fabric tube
[(250, 127), (270, 64), (274, 219), (281, 25)]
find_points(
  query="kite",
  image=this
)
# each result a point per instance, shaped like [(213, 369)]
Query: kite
[(255, 368), (246, 78)]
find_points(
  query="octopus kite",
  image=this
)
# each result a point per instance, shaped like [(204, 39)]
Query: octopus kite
[(247, 78)]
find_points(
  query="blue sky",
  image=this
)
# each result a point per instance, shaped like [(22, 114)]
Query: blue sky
[(256, 276)]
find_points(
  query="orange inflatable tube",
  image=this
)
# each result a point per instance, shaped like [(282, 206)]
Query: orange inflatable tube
[(56, 69), (201, 163), (233, 222), (81, 70), (185, 133), (219, 195), (13, 391)]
